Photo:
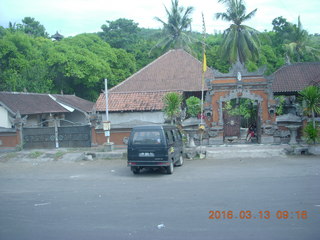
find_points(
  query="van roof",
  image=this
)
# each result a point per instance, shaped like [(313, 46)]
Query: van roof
[(160, 126)]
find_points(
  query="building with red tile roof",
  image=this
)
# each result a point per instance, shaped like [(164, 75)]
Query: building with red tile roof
[(142, 93), (291, 79)]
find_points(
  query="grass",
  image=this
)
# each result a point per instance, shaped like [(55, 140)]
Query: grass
[(35, 154), (58, 155)]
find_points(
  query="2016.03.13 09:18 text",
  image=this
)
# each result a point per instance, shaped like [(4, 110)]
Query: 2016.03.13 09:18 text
[(248, 214)]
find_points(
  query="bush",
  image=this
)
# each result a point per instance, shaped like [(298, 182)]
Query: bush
[(311, 134), (193, 106)]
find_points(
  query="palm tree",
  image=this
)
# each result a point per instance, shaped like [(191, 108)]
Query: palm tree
[(310, 96), (297, 45), (175, 34), (241, 42), (172, 105)]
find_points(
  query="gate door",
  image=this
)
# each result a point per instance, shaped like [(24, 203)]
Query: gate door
[(46, 137), (231, 125), (39, 137), (74, 136)]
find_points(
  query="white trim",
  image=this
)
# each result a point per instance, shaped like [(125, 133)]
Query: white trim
[(70, 109)]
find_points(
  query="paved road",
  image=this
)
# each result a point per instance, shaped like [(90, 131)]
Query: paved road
[(104, 200)]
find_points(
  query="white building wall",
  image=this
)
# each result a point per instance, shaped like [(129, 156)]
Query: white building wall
[(152, 117), (4, 118)]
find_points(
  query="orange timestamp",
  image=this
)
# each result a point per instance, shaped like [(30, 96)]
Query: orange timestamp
[(248, 214)]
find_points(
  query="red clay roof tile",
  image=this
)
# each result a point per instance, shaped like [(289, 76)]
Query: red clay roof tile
[(131, 101), (295, 77)]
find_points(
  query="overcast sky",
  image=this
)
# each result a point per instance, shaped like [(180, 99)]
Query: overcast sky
[(71, 17)]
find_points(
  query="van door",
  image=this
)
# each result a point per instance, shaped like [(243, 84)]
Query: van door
[(178, 142), (170, 145)]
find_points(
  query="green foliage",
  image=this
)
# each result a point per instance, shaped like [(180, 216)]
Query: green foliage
[(35, 154), (297, 44), (30, 61), (23, 63), (240, 42), (174, 32), (214, 59), (193, 106), (311, 133), (172, 105), (29, 26), (310, 98), (58, 155), (79, 64), (121, 33), (280, 104), (244, 108)]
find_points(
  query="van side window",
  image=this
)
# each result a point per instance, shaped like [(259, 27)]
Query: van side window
[(173, 135), (169, 137), (178, 133)]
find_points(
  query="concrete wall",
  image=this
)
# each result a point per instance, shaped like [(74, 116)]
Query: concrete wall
[(4, 118), (33, 120), (75, 117), (154, 117)]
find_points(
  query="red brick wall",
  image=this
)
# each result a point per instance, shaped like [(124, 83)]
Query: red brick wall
[(116, 137), (9, 139)]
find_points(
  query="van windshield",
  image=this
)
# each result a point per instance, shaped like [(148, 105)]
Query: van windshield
[(147, 137)]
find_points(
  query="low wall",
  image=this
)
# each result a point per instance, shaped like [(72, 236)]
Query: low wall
[(116, 136), (9, 138)]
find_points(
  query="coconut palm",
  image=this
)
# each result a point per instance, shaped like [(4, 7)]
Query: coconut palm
[(241, 42), (297, 45), (175, 32)]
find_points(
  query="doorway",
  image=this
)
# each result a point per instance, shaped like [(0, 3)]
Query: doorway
[(240, 115)]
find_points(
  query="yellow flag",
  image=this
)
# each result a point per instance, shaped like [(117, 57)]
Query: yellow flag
[(204, 63)]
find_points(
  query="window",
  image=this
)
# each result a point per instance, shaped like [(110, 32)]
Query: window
[(169, 137), (147, 137), (173, 135)]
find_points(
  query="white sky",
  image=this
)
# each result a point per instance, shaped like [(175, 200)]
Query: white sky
[(71, 17)]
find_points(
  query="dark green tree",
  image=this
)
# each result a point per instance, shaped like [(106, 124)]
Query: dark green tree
[(193, 106), (121, 33), (30, 26), (23, 63), (79, 64)]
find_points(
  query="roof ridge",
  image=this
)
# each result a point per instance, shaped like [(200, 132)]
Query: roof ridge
[(148, 65), (294, 64), (24, 93), (156, 91)]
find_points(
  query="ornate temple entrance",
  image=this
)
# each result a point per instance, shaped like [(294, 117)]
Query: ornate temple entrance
[(234, 86)]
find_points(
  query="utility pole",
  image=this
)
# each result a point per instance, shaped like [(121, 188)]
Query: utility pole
[(107, 123), (204, 69)]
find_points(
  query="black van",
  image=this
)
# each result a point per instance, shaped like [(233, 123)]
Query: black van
[(155, 146)]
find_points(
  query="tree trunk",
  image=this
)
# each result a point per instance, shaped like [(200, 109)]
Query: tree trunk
[(313, 119)]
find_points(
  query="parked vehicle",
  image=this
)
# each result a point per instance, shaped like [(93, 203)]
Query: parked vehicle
[(155, 146)]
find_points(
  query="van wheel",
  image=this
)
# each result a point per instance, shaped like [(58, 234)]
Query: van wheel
[(170, 168), (180, 162), (135, 170)]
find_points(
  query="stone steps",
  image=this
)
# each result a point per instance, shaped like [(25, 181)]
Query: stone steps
[(246, 151)]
